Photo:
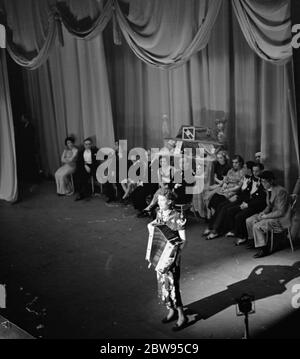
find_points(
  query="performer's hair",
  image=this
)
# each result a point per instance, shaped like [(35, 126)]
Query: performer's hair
[(168, 194)]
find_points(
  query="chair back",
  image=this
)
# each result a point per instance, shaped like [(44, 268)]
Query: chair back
[(293, 201)]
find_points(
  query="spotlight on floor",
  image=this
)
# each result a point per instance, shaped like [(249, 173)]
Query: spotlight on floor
[(245, 306)]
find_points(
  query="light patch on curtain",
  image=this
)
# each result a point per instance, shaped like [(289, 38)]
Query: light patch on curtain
[(2, 37)]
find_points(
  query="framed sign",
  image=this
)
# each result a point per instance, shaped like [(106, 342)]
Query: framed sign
[(188, 133)]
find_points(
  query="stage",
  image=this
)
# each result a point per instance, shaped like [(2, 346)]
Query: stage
[(77, 270)]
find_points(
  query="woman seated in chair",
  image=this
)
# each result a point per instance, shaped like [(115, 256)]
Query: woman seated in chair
[(250, 191), (230, 187), (220, 168), (63, 181)]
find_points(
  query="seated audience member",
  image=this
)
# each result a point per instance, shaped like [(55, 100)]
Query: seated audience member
[(273, 216), (258, 157), (129, 184), (165, 175), (253, 202), (201, 188), (250, 200), (220, 224), (62, 175), (180, 189), (220, 167), (142, 191), (230, 187), (86, 168), (219, 170), (114, 190)]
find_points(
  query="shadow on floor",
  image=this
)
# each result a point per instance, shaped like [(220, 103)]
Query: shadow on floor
[(264, 281)]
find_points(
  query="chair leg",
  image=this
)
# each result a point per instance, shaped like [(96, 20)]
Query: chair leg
[(290, 239), (72, 183), (194, 212), (92, 184), (272, 241)]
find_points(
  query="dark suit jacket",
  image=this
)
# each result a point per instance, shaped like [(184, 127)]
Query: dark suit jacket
[(257, 200), (80, 161)]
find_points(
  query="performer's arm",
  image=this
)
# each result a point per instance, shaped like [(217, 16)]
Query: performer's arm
[(183, 237), (151, 226)]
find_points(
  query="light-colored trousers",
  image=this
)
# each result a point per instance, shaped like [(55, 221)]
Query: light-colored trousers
[(258, 230)]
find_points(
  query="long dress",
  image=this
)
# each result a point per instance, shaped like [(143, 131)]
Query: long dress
[(168, 283), (63, 174)]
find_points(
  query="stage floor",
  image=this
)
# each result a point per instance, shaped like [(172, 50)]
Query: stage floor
[(9, 330), (77, 270)]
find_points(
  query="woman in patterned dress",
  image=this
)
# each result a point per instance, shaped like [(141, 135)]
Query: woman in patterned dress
[(168, 283)]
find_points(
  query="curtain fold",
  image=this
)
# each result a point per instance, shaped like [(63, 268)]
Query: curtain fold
[(225, 79), (8, 167), (85, 19), (163, 34), (69, 95), (167, 33), (32, 25), (31, 31), (266, 26)]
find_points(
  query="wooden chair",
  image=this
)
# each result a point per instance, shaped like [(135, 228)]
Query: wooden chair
[(185, 207), (288, 226)]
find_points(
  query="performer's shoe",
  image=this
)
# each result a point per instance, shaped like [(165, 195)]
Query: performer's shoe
[(166, 320), (181, 326), (240, 241), (78, 198), (261, 253)]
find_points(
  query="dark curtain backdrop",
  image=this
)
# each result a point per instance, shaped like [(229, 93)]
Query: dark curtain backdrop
[(225, 79)]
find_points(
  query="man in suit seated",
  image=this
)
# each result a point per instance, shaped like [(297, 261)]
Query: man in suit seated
[(272, 217), (86, 168), (251, 201)]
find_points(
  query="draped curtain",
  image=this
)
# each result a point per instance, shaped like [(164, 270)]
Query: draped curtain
[(69, 95), (167, 33), (266, 27), (234, 75), (31, 31), (225, 79), (8, 168)]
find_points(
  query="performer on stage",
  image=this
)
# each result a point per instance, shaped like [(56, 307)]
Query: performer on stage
[(168, 282)]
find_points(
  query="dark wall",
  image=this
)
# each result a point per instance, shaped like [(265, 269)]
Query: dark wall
[(296, 58), (16, 87)]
